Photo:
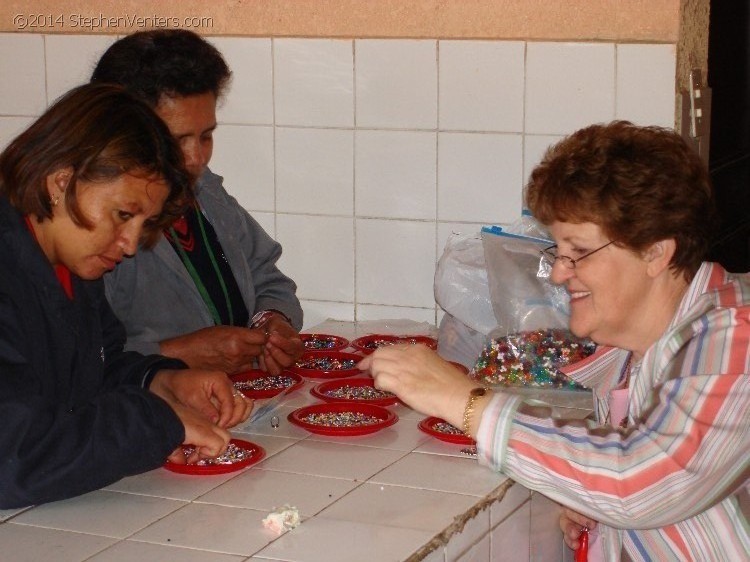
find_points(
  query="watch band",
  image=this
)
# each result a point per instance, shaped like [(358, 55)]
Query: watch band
[(469, 409)]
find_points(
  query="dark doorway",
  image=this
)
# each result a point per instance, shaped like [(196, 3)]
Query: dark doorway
[(729, 156)]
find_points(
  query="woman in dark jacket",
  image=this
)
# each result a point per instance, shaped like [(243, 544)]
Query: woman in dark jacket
[(93, 176)]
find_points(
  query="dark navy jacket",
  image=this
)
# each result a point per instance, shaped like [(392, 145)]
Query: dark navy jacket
[(73, 414)]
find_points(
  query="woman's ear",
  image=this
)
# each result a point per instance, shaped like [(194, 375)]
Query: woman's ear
[(57, 183), (659, 255)]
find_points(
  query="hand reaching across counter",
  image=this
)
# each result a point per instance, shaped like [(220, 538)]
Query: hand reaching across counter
[(422, 379)]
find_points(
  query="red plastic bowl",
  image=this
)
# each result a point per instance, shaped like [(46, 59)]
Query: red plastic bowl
[(387, 418), (256, 374), (320, 391)]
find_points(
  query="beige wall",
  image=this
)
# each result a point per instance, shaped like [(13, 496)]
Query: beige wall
[(605, 20), (683, 22)]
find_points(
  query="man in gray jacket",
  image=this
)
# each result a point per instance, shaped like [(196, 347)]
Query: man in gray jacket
[(213, 274)]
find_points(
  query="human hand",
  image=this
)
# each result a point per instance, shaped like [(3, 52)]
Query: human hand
[(209, 393), (571, 524), (422, 379), (283, 346), (208, 439), (231, 349)]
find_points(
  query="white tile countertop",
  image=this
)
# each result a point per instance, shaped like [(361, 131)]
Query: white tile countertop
[(398, 494)]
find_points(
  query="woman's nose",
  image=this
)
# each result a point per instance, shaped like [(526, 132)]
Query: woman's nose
[(129, 238), (560, 273)]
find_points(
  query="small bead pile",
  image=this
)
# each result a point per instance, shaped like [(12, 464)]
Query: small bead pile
[(445, 427), (272, 382), (531, 358), (315, 342), (348, 392), (326, 363), (232, 455), (374, 344), (341, 419), (416, 341)]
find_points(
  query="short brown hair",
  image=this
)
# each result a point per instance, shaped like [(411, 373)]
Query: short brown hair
[(101, 132), (639, 184)]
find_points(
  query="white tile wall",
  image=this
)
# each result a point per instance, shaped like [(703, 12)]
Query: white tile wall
[(395, 262), (11, 127), (366, 312), (23, 88), (314, 82), (534, 147), (479, 177), (646, 83), (70, 60), (396, 83), (481, 85), (319, 255), (568, 86), (395, 174), (250, 60), (315, 171), (244, 156), (361, 155)]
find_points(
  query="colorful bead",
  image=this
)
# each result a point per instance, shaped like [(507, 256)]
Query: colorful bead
[(374, 344), (348, 392), (341, 419), (531, 358), (315, 342), (326, 363), (271, 382), (445, 427), (232, 455)]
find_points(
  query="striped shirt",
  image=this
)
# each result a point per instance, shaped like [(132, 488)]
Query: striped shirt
[(666, 487)]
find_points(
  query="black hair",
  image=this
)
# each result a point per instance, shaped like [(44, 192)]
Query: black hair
[(164, 62)]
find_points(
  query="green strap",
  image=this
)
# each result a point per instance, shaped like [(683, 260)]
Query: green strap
[(196, 276)]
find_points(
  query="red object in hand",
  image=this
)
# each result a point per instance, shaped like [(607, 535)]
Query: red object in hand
[(582, 552)]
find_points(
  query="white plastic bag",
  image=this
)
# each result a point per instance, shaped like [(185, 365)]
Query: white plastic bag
[(459, 343), (461, 283)]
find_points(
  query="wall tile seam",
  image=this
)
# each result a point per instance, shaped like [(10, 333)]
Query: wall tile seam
[(355, 261), (275, 148)]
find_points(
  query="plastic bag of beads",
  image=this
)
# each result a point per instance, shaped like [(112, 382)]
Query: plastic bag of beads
[(531, 359), (531, 341)]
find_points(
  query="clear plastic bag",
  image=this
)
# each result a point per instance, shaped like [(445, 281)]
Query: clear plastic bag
[(461, 283), (521, 293), (531, 340)]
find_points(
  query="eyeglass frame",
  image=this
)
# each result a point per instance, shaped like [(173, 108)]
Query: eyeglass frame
[(567, 261)]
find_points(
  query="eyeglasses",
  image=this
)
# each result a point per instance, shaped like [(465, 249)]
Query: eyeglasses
[(550, 256)]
